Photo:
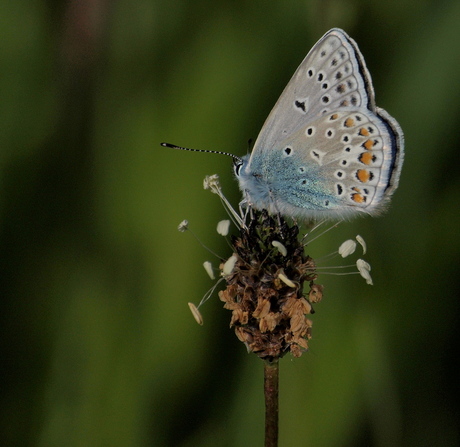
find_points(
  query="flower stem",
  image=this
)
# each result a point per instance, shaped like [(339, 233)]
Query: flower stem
[(271, 387)]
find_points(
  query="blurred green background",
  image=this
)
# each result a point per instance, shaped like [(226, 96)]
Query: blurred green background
[(98, 347)]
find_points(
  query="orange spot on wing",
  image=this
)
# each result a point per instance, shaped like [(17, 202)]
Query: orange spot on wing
[(349, 122), (368, 144), (366, 157), (363, 175), (358, 198), (334, 117), (363, 131)]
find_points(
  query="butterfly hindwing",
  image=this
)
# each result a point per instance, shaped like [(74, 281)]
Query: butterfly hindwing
[(337, 163)]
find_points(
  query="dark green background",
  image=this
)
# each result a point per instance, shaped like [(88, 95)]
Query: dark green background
[(98, 347)]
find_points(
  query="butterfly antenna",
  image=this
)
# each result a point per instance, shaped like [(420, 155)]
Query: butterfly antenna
[(173, 146)]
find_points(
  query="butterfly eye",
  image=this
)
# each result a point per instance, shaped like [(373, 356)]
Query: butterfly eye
[(237, 167)]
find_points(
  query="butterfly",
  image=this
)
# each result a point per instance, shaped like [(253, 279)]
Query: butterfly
[(326, 150)]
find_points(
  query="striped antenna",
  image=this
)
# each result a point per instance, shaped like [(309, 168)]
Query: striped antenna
[(173, 146)]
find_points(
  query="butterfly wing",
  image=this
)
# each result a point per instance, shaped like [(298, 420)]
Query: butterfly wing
[(332, 75), (342, 163), (325, 149)]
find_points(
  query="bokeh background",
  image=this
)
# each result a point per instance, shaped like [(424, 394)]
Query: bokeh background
[(98, 347)]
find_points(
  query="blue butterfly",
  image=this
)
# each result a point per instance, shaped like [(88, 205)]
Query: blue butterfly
[(326, 149)]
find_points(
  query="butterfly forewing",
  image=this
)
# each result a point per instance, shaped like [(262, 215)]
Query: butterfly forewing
[(332, 75)]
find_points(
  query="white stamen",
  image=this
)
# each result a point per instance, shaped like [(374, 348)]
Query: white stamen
[(229, 265), (196, 313), (208, 267), (286, 280), (304, 239), (209, 293), (362, 242), (212, 182), (183, 226), (281, 248), (347, 248), (364, 269), (223, 226)]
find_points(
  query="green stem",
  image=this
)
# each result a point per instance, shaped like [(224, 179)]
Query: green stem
[(271, 387)]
